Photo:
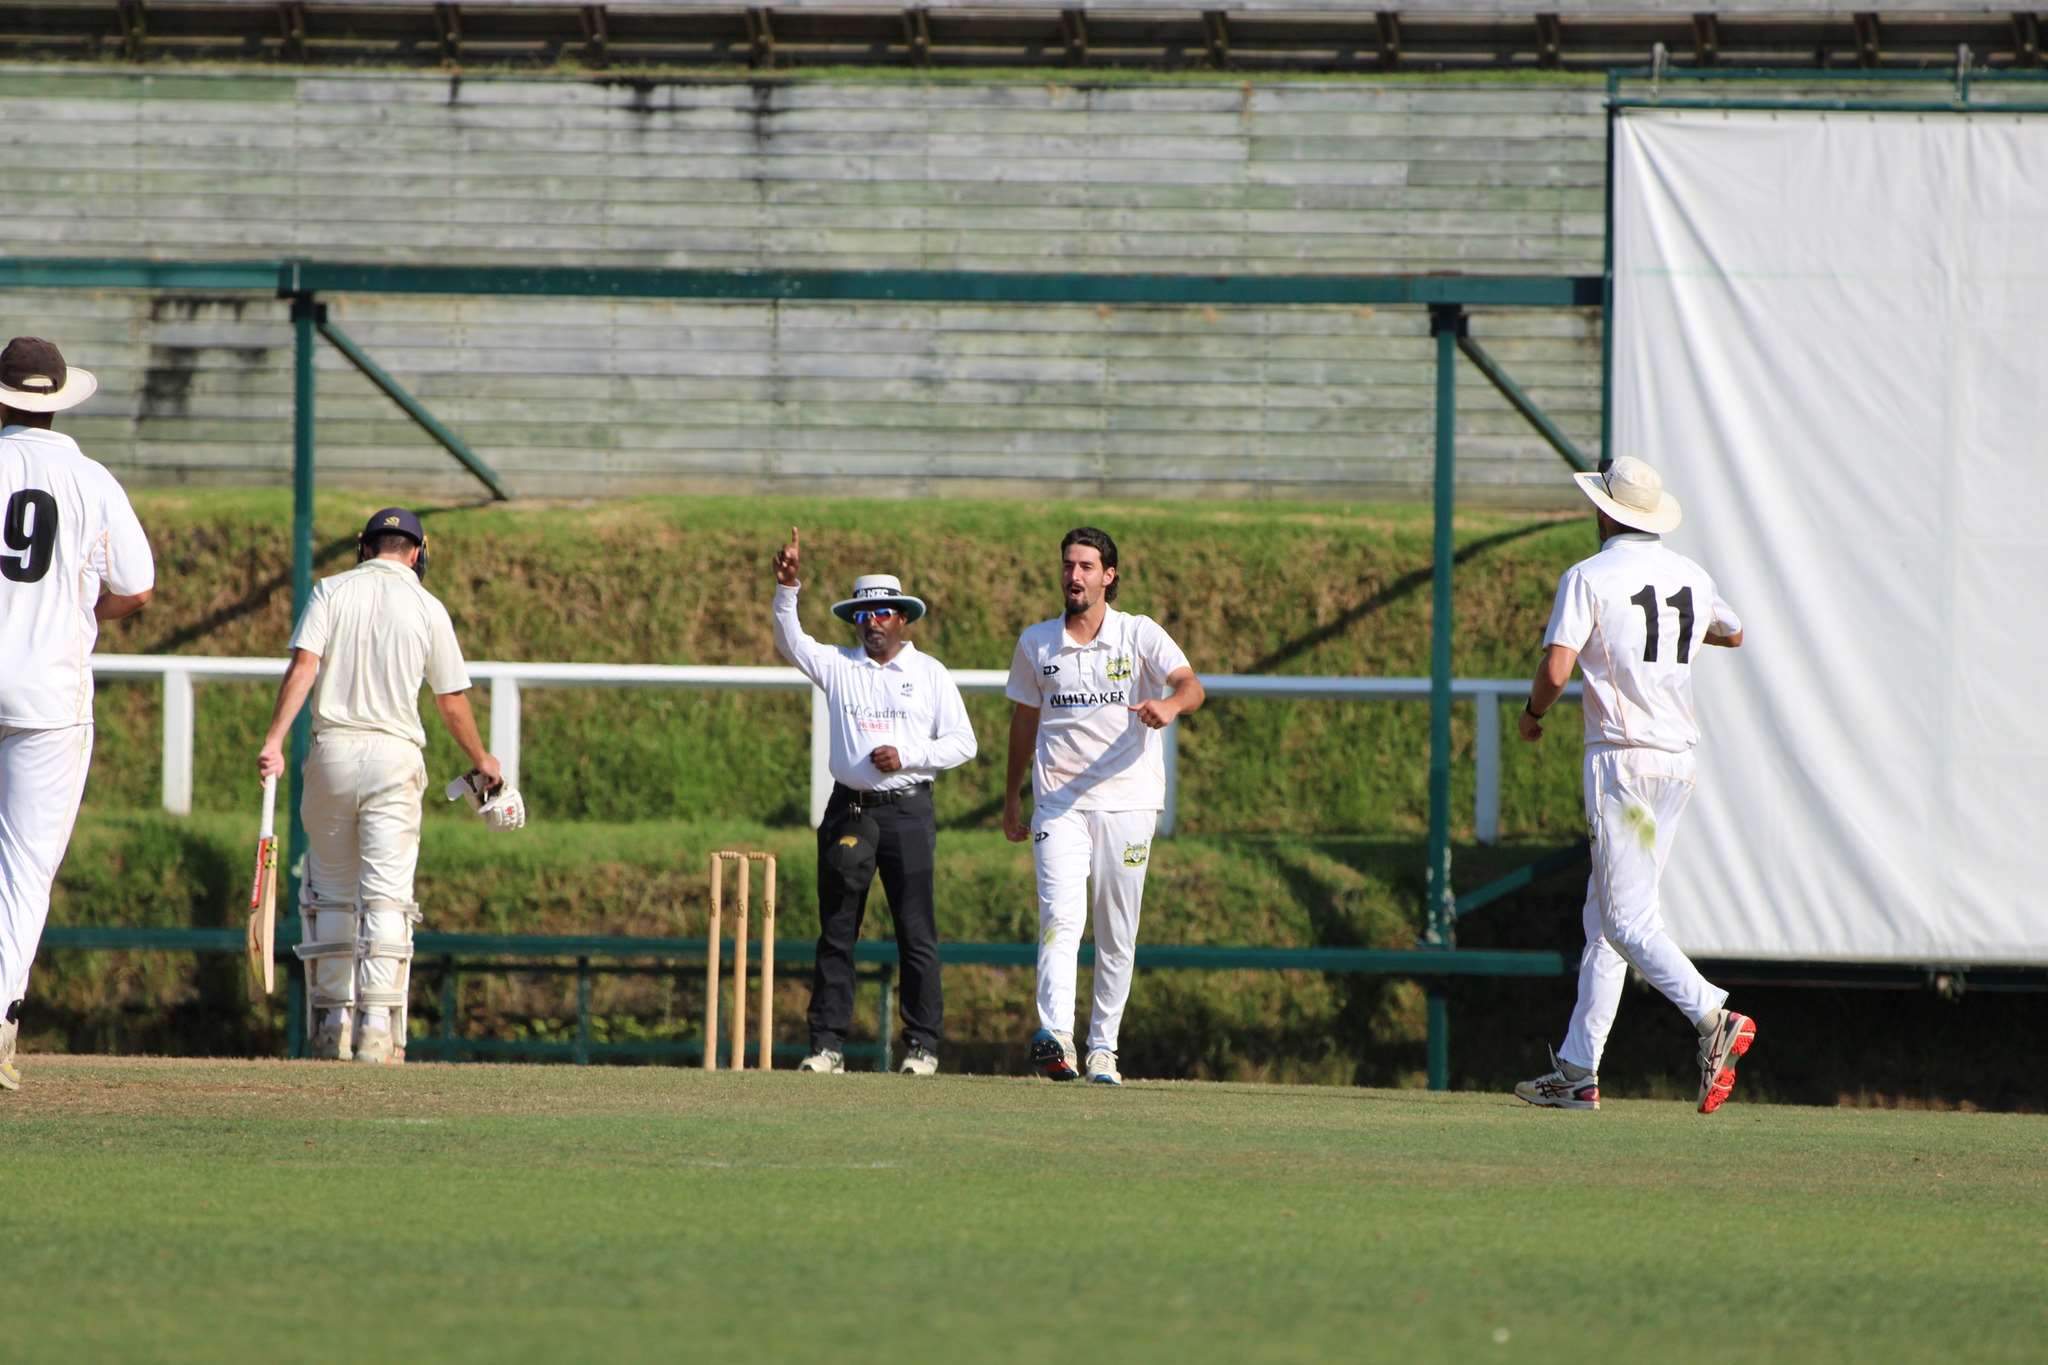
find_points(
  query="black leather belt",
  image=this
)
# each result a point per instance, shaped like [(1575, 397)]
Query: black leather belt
[(887, 798)]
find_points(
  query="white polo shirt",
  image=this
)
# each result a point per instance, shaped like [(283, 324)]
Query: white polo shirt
[(1637, 614), (1093, 753), (910, 703), (379, 634), (66, 533)]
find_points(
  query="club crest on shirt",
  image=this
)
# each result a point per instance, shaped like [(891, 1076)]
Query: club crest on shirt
[(909, 688), (1119, 669), (1136, 854)]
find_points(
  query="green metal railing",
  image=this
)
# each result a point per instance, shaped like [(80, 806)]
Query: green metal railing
[(444, 958), (1965, 80), (1447, 296)]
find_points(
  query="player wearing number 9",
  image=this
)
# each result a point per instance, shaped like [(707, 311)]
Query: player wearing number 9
[(72, 555), (1628, 618)]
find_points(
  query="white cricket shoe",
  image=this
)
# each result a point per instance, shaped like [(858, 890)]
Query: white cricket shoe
[(1102, 1068), (373, 1042), (919, 1061), (826, 1059), (1053, 1054), (331, 1038), (1724, 1037), (10, 1077), (1555, 1090)]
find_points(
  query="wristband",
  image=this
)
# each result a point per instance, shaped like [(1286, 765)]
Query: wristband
[(1531, 714)]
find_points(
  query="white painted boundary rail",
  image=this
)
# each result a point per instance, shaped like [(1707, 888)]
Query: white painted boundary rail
[(180, 671)]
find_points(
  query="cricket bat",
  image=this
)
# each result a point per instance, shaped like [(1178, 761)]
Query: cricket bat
[(261, 941)]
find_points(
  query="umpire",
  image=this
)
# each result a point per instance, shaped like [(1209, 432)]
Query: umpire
[(897, 721)]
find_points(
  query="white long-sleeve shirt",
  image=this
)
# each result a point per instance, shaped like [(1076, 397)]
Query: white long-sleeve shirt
[(910, 703)]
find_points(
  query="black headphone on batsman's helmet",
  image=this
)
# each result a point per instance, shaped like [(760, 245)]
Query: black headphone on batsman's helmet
[(393, 521)]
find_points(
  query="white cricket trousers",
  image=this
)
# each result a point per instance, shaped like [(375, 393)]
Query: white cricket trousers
[(1111, 849), (42, 777), (1633, 800), (361, 807)]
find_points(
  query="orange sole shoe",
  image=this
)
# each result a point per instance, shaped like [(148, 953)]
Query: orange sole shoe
[(1742, 1034)]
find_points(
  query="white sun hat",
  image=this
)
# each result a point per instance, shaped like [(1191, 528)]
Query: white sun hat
[(1633, 494), (878, 590), (34, 378)]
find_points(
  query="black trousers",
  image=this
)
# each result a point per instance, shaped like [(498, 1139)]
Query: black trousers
[(905, 847)]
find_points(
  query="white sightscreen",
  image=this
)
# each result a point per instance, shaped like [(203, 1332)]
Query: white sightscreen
[(1831, 335)]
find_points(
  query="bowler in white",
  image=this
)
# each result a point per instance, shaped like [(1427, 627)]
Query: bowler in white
[(1632, 618), (72, 555), (1093, 688)]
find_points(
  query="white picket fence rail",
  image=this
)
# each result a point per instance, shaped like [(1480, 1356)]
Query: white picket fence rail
[(179, 672)]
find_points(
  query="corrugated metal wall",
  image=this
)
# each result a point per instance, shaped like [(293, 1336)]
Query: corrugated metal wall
[(576, 396)]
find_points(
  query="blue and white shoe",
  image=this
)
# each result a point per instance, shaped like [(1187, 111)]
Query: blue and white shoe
[(1053, 1054), (1102, 1068)]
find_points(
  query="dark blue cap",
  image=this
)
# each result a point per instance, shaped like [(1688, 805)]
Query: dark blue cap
[(394, 521)]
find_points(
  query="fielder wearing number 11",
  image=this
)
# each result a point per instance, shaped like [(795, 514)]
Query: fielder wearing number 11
[(1631, 618)]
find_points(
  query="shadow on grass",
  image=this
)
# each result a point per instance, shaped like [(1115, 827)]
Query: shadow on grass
[(266, 588), (1412, 581), (1384, 1016)]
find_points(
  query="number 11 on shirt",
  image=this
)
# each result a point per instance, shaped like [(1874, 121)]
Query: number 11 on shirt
[(1682, 600)]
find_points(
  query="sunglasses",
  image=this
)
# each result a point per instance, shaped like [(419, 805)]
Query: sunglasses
[(861, 618)]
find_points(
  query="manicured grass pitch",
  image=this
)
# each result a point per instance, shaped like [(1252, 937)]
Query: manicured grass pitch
[(260, 1210)]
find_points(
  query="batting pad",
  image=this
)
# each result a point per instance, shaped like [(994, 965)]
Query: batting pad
[(1831, 335)]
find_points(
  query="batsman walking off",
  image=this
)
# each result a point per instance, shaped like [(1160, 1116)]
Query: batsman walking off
[(72, 555), (1093, 688), (1630, 617), (367, 641)]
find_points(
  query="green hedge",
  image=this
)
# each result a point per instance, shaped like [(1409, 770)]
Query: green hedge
[(630, 788), (649, 879), (1819, 1046), (1281, 589), (1301, 821)]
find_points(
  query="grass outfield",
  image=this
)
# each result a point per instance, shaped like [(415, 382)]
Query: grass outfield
[(220, 1210)]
